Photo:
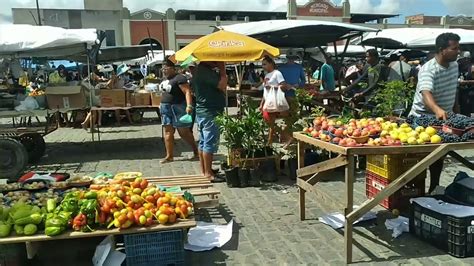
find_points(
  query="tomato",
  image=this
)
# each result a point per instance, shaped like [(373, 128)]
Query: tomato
[(184, 210), (150, 198), (111, 203), (130, 216), (144, 184), (156, 196), (122, 218), (127, 198), (105, 208), (102, 217), (149, 221), (172, 218)]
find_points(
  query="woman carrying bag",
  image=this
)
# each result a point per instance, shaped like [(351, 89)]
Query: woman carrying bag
[(274, 103)]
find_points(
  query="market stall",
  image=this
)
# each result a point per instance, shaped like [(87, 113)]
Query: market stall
[(389, 139), (38, 209)]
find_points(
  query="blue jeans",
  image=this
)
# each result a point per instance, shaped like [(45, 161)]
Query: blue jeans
[(171, 113), (208, 133)]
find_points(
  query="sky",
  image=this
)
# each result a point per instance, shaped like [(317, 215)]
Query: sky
[(402, 7)]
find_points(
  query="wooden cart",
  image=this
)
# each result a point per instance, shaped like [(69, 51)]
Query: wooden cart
[(309, 176)]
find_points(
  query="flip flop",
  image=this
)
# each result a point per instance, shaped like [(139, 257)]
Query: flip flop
[(217, 179), (166, 161)]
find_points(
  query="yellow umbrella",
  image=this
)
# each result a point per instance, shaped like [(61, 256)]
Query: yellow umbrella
[(226, 46)]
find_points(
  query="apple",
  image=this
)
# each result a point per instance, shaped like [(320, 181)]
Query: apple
[(322, 136), (336, 139), (315, 134), (305, 129), (328, 138), (310, 129), (342, 142), (356, 133), (339, 132), (317, 122), (331, 123)]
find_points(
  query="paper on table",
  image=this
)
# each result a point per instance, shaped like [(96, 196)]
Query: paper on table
[(206, 236), (337, 220), (102, 251), (114, 258)]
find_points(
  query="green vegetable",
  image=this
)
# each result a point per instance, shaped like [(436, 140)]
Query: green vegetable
[(5, 230), (89, 208), (54, 230), (20, 213), (91, 195), (55, 222), (34, 218), (36, 209), (50, 205), (30, 229), (5, 214), (70, 202), (19, 230)]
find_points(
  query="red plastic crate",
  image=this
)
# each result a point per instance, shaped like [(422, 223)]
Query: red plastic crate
[(400, 200)]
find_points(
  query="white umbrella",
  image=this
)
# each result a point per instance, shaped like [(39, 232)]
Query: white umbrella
[(297, 33)]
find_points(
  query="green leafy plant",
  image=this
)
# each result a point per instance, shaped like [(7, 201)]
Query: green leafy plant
[(394, 95)]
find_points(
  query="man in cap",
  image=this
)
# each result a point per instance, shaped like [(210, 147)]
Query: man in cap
[(292, 72)]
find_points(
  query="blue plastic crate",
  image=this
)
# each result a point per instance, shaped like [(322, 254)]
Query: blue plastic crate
[(158, 248)]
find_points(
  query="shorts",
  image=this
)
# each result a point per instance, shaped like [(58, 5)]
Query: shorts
[(208, 133), (171, 113)]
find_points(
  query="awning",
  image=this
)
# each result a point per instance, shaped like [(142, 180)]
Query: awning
[(413, 37), (44, 41), (297, 33)]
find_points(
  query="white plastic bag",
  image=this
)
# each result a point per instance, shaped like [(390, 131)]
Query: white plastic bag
[(275, 101), (29, 103)]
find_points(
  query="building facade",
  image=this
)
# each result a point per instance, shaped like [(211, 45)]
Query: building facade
[(173, 29)]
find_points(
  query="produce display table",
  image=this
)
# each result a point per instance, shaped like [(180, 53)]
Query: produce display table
[(309, 176), (32, 241)]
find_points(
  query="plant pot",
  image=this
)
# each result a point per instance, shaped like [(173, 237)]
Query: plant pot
[(255, 176), (232, 177), (268, 170), (292, 166), (244, 177)]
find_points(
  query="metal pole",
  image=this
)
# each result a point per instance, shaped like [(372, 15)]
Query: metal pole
[(90, 96), (38, 11)]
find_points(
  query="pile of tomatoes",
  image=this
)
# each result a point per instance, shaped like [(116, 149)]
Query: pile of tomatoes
[(123, 204)]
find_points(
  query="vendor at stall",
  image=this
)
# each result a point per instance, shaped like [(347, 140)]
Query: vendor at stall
[(436, 88), (293, 73), (466, 84)]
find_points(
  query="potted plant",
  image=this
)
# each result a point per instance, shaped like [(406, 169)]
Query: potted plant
[(394, 98), (231, 130)]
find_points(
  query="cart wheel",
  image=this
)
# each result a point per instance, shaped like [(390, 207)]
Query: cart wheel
[(34, 145), (13, 158)]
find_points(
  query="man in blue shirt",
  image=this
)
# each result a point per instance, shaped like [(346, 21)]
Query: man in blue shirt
[(293, 73), (327, 75)]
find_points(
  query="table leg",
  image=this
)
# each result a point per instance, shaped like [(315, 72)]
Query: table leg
[(31, 249), (349, 205), (301, 153), (92, 124)]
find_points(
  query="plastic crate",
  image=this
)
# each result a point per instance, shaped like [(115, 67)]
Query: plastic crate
[(399, 200), (392, 166), (451, 234), (159, 248)]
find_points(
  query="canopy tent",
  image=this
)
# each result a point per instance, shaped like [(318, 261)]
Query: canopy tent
[(23, 41), (351, 51), (412, 37), (297, 33)]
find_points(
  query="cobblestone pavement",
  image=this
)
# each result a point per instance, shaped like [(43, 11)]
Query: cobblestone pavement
[(267, 230)]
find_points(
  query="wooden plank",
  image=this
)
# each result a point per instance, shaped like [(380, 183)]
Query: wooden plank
[(177, 183), (201, 180), (461, 159), (207, 204), (180, 176), (322, 166), (301, 154), (302, 203), (386, 150), (196, 186), (302, 184), (400, 181), (204, 192), (181, 224), (321, 144), (349, 205)]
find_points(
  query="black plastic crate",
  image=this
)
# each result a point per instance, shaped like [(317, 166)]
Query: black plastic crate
[(462, 191), (159, 248), (449, 233)]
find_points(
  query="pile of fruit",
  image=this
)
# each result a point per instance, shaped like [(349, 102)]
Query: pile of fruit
[(36, 92), (378, 132), (119, 204)]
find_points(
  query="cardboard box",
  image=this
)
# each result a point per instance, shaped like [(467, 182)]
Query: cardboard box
[(113, 98), (66, 97), (155, 99), (140, 99)]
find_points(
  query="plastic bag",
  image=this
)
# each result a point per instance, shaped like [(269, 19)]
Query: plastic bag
[(275, 101), (29, 103)]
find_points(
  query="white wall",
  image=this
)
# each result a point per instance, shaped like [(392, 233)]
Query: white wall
[(104, 20)]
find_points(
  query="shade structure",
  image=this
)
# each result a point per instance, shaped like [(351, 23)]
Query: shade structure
[(297, 33), (225, 46), (413, 37)]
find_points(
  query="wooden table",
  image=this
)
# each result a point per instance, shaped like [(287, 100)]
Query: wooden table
[(33, 241), (309, 176)]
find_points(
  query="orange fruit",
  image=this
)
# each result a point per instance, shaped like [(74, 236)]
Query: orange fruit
[(163, 218)]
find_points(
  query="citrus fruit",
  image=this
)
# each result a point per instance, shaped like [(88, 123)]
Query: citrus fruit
[(431, 131), (163, 218), (412, 141), (420, 141), (424, 136), (435, 139), (419, 129), (404, 125)]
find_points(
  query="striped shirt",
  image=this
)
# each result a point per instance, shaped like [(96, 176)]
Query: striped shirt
[(441, 81)]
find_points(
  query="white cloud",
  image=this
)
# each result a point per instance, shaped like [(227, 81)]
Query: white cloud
[(366, 6), (459, 7)]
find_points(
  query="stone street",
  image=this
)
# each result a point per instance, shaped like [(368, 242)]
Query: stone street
[(267, 230)]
